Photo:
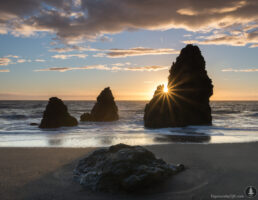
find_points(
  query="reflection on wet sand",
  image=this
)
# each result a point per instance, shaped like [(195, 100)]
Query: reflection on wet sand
[(106, 141), (100, 140), (55, 140), (201, 138)]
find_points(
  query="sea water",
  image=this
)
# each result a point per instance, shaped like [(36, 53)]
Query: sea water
[(235, 121)]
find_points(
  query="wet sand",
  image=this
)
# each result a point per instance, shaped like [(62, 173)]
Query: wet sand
[(212, 170)]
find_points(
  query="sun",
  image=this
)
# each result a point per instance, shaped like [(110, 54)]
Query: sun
[(165, 89)]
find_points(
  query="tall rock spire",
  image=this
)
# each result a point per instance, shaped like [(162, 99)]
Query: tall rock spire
[(187, 99)]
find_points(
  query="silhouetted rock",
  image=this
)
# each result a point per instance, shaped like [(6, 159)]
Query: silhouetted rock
[(122, 168), (56, 115), (34, 124), (85, 117), (187, 99), (105, 108)]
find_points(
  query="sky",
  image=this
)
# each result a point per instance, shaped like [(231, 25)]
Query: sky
[(73, 49)]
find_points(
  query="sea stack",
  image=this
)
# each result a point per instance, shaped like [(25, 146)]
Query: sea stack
[(104, 110), (187, 100), (56, 115)]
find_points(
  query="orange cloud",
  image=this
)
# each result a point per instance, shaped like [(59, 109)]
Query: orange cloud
[(239, 70), (5, 61), (138, 51), (66, 56), (103, 67), (4, 70)]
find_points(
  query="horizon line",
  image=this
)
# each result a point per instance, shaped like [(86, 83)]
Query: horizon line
[(115, 100)]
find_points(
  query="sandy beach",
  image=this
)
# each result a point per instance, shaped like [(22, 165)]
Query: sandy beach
[(213, 170)]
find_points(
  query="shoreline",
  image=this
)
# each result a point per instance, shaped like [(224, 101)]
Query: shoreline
[(46, 172), (161, 140), (145, 145)]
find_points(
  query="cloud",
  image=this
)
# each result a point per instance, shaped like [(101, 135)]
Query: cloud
[(99, 55), (138, 51), (254, 46), (5, 61), (64, 69), (12, 56), (233, 38), (4, 70), (113, 53), (24, 30), (72, 48), (40, 60), (146, 68), (59, 69), (3, 29), (239, 70), (118, 64), (105, 68), (121, 64), (187, 35), (233, 6), (77, 21), (65, 56), (21, 61)]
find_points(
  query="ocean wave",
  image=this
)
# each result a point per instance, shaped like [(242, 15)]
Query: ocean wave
[(14, 117), (253, 115), (239, 120), (40, 105), (226, 111)]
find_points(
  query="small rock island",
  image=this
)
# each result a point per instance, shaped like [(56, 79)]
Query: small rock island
[(104, 110), (56, 115), (187, 100)]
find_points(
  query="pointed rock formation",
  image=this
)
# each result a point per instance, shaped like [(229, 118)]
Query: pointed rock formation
[(105, 108), (187, 99), (56, 115)]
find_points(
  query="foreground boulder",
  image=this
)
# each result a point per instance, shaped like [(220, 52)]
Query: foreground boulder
[(105, 108), (187, 100), (56, 115), (122, 168)]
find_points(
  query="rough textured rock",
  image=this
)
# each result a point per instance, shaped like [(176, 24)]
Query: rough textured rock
[(105, 108), (187, 99), (122, 168), (56, 115)]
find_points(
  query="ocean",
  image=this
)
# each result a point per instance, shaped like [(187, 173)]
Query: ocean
[(233, 121)]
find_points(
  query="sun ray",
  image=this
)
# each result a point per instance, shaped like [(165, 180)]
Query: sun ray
[(168, 94)]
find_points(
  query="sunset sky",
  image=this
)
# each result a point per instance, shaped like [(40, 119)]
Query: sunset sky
[(74, 48)]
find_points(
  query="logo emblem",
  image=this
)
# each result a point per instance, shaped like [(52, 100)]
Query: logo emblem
[(250, 191)]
